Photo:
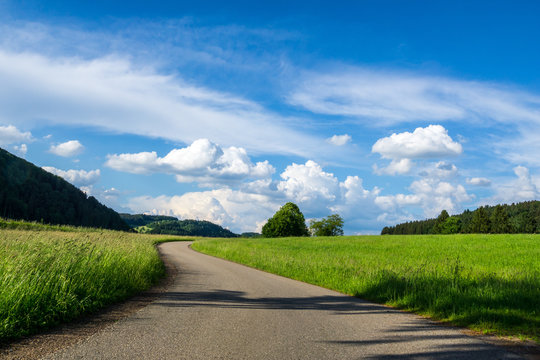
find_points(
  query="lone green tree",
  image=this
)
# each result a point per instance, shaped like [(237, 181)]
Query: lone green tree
[(287, 221), (331, 225)]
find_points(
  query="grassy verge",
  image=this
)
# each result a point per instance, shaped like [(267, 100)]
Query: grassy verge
[(51, 274), (489, 283)]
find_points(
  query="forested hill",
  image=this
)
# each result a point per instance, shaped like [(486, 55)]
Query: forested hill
[(187, 228), (137, 220), (30, 193), (500, 219)]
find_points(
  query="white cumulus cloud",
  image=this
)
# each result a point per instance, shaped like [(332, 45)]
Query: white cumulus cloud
[(478, 181), (203, 161), (67, 149), (429, 142), (139, 163), (80, 178), (11, 135), (307, 183), (396, 167)]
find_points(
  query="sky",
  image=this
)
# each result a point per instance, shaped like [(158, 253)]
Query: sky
[(380, 111)]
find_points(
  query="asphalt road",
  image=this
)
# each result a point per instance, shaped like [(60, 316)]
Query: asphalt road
[(216, 309)]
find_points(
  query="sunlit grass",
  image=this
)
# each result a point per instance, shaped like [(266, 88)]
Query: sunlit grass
[(489, 283), (54, 274)]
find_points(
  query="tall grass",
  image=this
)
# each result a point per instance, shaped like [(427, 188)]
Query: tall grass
[(55, 275), (490, 283)]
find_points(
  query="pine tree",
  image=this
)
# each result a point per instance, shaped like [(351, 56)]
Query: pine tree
[(437, 228), (480, 221), (499, 221)]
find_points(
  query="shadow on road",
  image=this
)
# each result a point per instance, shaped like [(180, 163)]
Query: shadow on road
[(416, 333), (237, 299)]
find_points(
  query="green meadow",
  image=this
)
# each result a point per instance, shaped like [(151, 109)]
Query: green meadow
[(488, 283), (54, 274)]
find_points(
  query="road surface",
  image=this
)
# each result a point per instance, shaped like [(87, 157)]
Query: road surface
[(216, 309)]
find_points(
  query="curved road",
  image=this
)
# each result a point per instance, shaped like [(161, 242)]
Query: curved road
[(216, 309)]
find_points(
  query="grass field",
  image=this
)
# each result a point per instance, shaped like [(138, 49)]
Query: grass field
[(53, 274), (489, 283)]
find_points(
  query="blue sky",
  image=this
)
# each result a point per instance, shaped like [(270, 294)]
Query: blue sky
[(382, 111)]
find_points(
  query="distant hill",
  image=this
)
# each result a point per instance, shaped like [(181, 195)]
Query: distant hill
[(251, 235), (137, 220), (28, 192), (522, 217), (187, 228)]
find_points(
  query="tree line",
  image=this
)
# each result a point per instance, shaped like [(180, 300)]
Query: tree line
[(522, 217)]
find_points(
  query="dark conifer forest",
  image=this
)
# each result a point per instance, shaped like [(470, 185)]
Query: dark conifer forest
[(522, 217), (28, 192)]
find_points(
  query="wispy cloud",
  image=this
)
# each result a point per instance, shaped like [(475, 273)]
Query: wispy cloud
[(393, 97), (111, 93), (339, 140)]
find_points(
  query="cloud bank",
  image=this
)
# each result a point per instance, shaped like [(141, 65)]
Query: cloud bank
[(317, 192)]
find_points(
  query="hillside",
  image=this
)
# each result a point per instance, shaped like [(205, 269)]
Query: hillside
[(30, 193), (522, 217), (137, 220), (187, 228)]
